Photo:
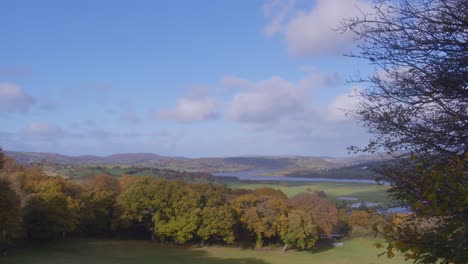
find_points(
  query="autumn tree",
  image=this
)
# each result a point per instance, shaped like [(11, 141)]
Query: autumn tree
[(416, 106), (99, 212), (324, 213), (360, 218), (264, 216)]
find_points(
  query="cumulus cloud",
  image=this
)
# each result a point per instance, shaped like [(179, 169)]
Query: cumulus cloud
[(267, 101), (275, 98), (313, 32), (192, 109), (14, 99), (344, 103), (294, 112), (44, 131)]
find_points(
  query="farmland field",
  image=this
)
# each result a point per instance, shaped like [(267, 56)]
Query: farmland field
[(362, 191), (358, 250)]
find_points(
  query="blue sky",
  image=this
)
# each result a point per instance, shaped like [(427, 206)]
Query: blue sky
[(179, 78)]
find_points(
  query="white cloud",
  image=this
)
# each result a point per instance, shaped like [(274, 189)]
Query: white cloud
[(344, 103), (40, 130), (313, 32), (14, 99), (267, 101), (192, 109), (275, 98)]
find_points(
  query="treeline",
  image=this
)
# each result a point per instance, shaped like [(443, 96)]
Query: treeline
[(80, 171), (36, 207)]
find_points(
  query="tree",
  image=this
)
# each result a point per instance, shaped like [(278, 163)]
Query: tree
[(141, 200), (416, 107), (100, 215), (10, 212), (180, 220), (183, 220), (324, 213), (218, 224), (300, 230), (52, 210), (48, 216), (264, 216)]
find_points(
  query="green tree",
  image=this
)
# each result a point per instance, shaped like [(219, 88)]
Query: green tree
[(52, 210), (181, 220), (48, 216), (218, 224), (141, 200), (300, 230)]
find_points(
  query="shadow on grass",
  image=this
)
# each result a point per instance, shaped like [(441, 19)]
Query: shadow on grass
[(117, 251), (321, 246), (214, 260)]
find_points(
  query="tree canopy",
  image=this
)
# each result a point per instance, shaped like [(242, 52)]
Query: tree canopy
[(416, 106)]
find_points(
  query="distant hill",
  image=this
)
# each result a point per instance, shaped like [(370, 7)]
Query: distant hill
[(283, 165), (124, 158)]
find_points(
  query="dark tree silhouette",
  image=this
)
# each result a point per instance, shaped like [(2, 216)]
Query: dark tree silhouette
[(416, 106)]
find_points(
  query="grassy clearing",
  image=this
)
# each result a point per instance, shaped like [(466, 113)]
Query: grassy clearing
[(114, 251), (361, 191)]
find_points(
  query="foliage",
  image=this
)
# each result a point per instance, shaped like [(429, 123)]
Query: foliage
[(48, 216), (300, 230), (218, 224), (324, 214), (416, 107), (99, 213), (263, 215), (10, 214), (169, 211)]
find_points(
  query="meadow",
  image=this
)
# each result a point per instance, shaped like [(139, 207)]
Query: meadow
[(358, 250), (362, 191)]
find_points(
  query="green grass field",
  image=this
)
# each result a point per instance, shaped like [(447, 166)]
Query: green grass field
[(363, 192), (115, 251)]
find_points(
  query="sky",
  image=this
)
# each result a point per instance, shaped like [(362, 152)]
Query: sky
[(179, 78)]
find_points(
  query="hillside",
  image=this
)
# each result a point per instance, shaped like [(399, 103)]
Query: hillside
[(351, 167)]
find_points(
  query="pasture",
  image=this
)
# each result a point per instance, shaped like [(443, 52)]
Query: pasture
[(359, 250), (362, 191)]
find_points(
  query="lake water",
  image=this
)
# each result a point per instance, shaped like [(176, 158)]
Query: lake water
[(257, 176)]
